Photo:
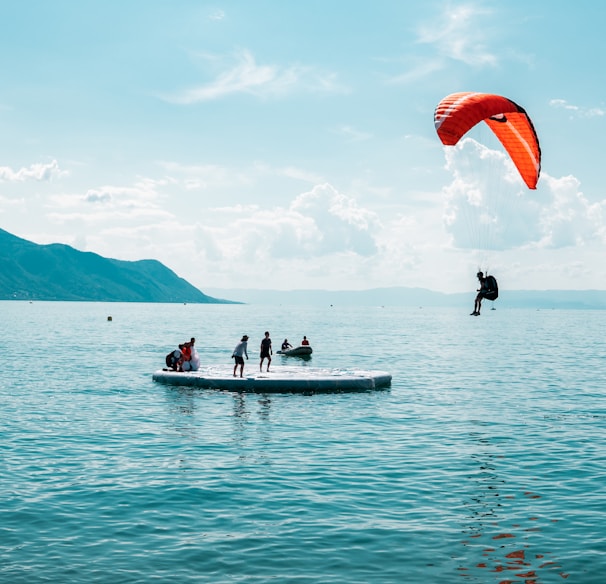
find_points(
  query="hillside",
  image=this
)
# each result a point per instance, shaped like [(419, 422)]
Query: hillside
[(29, 271)]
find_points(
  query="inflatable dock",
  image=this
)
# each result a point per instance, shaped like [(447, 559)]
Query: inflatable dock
[(280, 379)]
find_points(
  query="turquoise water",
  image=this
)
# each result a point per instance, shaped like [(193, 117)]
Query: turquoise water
[(484, 462)]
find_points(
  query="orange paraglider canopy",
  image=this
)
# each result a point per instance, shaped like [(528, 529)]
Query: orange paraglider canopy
[(457, 113)]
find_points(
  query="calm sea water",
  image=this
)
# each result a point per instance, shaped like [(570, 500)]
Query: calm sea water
[(484, 462)]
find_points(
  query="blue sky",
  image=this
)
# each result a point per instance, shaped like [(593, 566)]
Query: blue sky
[(283, 145)]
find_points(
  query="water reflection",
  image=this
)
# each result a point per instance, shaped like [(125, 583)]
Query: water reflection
[(182, 408), (302, 360), (249, 432), (241, 413), (491, 543)]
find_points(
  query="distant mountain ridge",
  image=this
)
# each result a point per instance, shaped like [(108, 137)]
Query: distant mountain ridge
[(420, 297), (29, 271)]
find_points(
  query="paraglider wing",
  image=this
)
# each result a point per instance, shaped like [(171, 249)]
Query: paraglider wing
[(457, 113)]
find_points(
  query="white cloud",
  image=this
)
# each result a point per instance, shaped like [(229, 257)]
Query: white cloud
[(212, 176), (300, 174), (39, 172), (351, 134), (420, 68), (205, 176), (582, 112), (485, 204), (460, 34), (342, 224), (143, 193), (488, 207), (570, 220), (320, 232), (216, 14), (109, 205), (248, 77)]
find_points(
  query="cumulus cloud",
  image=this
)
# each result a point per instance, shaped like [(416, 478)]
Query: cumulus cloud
[(341, 222), (570, 219), (317, 227), (248, 77), (39, 172), (144, 192), (487, 206), (112, 204)]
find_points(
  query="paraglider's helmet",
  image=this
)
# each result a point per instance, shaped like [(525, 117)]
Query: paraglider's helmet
[(480, 275)]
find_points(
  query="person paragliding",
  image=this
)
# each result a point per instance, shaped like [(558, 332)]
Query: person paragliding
[(488, 289), (457, 114)]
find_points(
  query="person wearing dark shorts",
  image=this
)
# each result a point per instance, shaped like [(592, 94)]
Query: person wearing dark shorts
[(266, 351), (239, 353)]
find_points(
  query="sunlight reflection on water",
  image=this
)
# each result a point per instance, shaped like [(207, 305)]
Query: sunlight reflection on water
[(484, 460)]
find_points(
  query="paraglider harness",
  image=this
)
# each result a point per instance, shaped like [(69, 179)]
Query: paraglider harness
[(490, 288)]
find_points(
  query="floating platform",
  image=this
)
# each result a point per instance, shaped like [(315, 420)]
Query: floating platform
[(280, 379)]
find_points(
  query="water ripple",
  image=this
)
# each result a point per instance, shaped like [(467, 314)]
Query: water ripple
[(477, 466)]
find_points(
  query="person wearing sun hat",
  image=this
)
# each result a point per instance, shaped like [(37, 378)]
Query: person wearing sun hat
[(238, 355)]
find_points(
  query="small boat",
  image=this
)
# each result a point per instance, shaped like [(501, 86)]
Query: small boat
[(297, 351)]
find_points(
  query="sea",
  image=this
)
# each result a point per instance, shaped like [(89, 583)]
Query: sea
[(484, 462)]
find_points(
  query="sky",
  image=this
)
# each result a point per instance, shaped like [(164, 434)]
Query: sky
[(291, 145)]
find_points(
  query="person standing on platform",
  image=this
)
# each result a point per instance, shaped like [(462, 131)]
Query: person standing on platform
[(239, 352), (266, 351)]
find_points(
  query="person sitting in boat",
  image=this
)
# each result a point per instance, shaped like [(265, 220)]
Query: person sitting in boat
[(304, 342), (286, 345)]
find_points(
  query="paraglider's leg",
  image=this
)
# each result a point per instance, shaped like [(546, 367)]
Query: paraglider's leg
[(477, 305)]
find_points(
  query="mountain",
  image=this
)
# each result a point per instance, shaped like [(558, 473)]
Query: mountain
[(420, 297), (29, 271)]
